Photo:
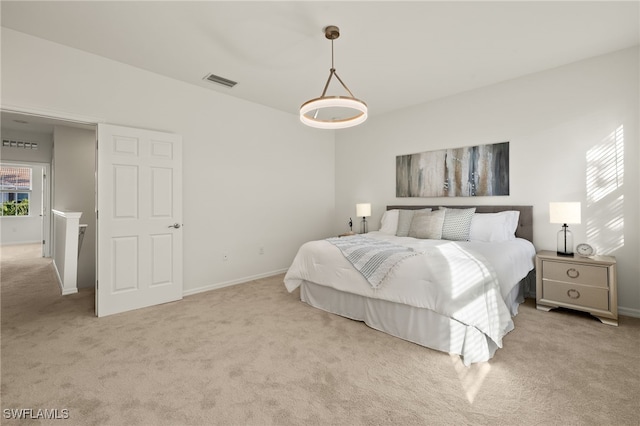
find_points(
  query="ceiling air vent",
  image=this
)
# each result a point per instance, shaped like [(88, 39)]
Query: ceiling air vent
[(220, 80)]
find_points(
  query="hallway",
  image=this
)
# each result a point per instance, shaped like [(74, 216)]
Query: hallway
[(20, 252), (30, 288)]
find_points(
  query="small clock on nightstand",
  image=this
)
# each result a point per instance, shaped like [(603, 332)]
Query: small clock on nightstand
[(585, 250)]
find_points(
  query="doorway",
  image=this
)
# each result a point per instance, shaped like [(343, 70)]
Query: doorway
[(62, 155), (138, 261), (24, 200)]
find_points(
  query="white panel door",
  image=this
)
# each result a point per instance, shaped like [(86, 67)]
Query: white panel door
[(139, 258)]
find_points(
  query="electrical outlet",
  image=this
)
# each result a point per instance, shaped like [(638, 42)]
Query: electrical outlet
[(261, 250)]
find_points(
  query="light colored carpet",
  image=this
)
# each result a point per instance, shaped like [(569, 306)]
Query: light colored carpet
[(254, 354)]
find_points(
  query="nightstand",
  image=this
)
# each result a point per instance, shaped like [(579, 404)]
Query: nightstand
[(582, 283)]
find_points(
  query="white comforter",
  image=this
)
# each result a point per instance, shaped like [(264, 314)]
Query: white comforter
[(466, 281)]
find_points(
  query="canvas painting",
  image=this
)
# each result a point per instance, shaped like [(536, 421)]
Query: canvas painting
[(473, 171)]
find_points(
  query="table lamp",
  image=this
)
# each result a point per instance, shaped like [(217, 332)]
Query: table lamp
[(363, 210), (565, 213)]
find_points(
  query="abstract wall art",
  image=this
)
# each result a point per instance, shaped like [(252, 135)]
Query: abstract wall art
[(473, 171)]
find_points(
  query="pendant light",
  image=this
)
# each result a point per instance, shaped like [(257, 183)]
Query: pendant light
[(333, 112)]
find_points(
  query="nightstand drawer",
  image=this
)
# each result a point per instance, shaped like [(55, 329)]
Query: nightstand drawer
[(576, 273), (575, 294)]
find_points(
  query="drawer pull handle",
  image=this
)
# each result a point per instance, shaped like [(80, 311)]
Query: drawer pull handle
[(573, 273), (573, 294)]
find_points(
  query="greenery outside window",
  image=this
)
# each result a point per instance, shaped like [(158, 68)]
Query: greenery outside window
[(15, 190)]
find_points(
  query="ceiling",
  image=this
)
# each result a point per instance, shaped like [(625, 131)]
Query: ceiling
[(390, 54)]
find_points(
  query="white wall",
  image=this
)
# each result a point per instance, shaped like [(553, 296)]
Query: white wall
[(40, 155), (253, 176), (554, 120), (73, 167)]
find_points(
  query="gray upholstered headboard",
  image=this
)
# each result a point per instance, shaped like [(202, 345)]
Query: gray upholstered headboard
[(525, 227)]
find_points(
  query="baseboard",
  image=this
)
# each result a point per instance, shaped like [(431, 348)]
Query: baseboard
[(232, 282), (629, 312), (62, 289)]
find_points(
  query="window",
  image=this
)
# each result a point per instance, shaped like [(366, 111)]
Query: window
[(15, 190)]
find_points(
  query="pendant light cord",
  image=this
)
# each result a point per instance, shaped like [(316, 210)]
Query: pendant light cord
[(332, 72), (332, 66)]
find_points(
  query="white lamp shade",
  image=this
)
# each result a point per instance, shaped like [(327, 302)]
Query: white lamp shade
[(363, 210), (564, 212)]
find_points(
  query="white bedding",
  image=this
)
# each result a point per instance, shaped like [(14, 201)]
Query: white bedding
[(465, 281)]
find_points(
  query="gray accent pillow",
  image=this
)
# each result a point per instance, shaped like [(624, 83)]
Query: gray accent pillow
[(457, 223), (404, 221), (427, 225)]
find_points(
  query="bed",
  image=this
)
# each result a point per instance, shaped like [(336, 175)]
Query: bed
[(448, 293)]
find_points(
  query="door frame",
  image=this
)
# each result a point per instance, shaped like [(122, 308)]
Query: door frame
[(46, 211), (51, 114)]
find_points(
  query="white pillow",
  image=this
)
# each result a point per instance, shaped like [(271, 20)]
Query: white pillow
[(389, 222), (494, 227), (514, 215)]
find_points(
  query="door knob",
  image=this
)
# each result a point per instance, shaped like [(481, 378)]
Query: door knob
[(175, 225)]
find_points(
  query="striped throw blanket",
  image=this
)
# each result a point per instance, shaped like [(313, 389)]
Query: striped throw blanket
[(373, 258)]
